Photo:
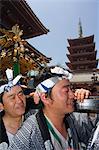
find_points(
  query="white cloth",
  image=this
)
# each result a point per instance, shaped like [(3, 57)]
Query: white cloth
[(49, 83), (10, 136), (3, 146), (96, 134), (56, 144), (11, 81)]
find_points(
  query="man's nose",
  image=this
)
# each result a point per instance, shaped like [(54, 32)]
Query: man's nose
[(71, 94)]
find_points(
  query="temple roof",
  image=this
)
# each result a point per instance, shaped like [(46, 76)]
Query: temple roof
[(37, 53), (29, 60), (18, 23), (81, 41), (18, 12)]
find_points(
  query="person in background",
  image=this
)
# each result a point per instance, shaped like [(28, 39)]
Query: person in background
[(53, 127)]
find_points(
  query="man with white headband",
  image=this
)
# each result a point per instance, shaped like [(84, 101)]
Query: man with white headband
[(53, 127), (12, 107)]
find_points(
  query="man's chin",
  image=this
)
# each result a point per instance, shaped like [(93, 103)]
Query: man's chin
[(21, 112)]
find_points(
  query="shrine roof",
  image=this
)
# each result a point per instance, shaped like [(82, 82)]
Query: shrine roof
[(19, 12)]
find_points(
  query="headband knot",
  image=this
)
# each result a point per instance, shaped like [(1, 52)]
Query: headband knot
[(57, 73), (11, 82)]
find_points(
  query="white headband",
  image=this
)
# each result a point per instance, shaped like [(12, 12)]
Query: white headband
[(45, 85), (11, 81)]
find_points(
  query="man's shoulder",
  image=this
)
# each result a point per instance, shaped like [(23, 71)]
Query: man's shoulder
[(30, 121), (30, 112)]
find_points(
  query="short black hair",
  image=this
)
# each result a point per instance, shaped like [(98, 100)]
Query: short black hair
[(2, 82), (45, 74), (1, 95)]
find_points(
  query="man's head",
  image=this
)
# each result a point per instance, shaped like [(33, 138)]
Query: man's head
[(12, 99), (55, 92)]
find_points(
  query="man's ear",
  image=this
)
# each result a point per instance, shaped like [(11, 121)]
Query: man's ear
[(44, 98), (1, 107)]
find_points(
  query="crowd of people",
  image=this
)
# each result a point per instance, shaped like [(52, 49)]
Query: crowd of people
[(54, 125)]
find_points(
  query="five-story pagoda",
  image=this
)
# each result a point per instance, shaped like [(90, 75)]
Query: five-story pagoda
[(82, 57)]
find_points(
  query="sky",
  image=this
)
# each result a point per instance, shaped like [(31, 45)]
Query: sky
[(61, 17)]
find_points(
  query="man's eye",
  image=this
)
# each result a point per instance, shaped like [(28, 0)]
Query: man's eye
[(71, 87), (12, 97), (67, 86), (21, 93)]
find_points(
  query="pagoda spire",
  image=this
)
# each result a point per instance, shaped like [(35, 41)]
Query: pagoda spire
[(80, 29)]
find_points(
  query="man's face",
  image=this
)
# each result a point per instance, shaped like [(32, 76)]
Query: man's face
[(62, 97), (14, 102)]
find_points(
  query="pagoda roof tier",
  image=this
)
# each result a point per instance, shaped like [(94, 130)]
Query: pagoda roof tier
[(18, 12), (81, 41), (85, 65), (84, 62), (91, 55), (86, 48)]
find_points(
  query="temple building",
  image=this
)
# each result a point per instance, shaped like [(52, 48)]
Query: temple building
[(82, 54), (83, 63), (19, 12), (19, 23)]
